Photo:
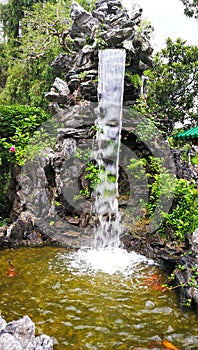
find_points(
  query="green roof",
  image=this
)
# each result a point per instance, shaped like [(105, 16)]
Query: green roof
[(188, 134)]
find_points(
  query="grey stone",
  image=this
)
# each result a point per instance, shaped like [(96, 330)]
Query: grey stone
[(20, 335), (9, 342), (82, 20), (2, 324), (43, 342), (23, 330)]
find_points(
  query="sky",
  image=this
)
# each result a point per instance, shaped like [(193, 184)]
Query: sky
[(168, 19)]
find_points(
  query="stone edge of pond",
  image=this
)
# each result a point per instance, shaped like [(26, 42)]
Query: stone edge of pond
[(20, 335)]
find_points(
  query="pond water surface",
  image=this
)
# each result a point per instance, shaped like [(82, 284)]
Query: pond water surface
[(93, 307)]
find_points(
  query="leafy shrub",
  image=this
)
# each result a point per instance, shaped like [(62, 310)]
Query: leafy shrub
[(183, 217), (18, 124)]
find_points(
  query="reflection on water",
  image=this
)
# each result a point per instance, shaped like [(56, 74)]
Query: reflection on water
[(83, 308)]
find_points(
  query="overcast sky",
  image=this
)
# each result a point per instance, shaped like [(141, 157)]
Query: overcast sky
[(168, 19)]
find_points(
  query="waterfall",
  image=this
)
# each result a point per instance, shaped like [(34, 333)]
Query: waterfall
[(107, 145)]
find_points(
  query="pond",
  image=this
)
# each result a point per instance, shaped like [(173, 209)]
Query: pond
[(86, 305)]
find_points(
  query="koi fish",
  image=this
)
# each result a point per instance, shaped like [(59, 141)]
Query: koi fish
[(164, 345), (11, 270), (154, 281), (167, 345)]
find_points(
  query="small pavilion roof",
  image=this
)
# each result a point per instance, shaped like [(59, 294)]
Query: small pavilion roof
[(188, 134)]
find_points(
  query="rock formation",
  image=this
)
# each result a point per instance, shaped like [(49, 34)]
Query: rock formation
[(109, 26), (20, 335), (49, 207), (44, 209)]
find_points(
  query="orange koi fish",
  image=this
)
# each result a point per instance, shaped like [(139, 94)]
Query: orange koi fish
[(154, 281), (11, 270), (167, 345)]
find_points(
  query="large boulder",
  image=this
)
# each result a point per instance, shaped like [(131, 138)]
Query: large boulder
[(20, 335)]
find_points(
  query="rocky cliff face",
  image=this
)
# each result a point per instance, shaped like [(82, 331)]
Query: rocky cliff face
[(109, 26), (48, 205)]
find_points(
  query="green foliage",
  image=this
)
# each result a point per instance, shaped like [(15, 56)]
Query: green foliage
[(101, 43), (163, 187), (41, 141), (135, 79), (5, 184), (82, 75), (83, 154), (137, 167), (26, 69), (87, 4), (85, 192), (191, 8), (92, 174), (18, 124), (194, 160), (172, 85), (147, 131), (3, 222), (191, 282), (183, 217), (12, 13)]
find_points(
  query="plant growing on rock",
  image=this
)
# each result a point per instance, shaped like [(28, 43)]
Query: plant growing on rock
[(18, 125)]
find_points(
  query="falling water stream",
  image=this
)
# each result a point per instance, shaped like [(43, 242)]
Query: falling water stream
[(101, 298), (109, 123)]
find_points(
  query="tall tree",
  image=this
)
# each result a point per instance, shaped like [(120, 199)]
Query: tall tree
[(173, 85), (12, 13), (191, 8), (28, 74)]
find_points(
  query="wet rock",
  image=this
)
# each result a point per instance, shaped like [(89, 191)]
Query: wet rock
[(43, 342), (2, 324), (9, 342), (20, 335)]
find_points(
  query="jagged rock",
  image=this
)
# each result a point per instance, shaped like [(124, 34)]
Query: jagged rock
[(2, 324), (59, 92), (183, 169), (62, 62), (9, 342), (43, 342), (186, 281), (83, 21), (20, 335), (108, 26), (23, 330)]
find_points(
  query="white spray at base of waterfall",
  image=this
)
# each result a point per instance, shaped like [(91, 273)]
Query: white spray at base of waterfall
[(106, 260)]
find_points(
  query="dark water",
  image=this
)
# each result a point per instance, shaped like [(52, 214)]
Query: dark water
[(83, 308)]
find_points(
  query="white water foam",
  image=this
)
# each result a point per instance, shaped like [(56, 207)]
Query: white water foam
[(110, 261)]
